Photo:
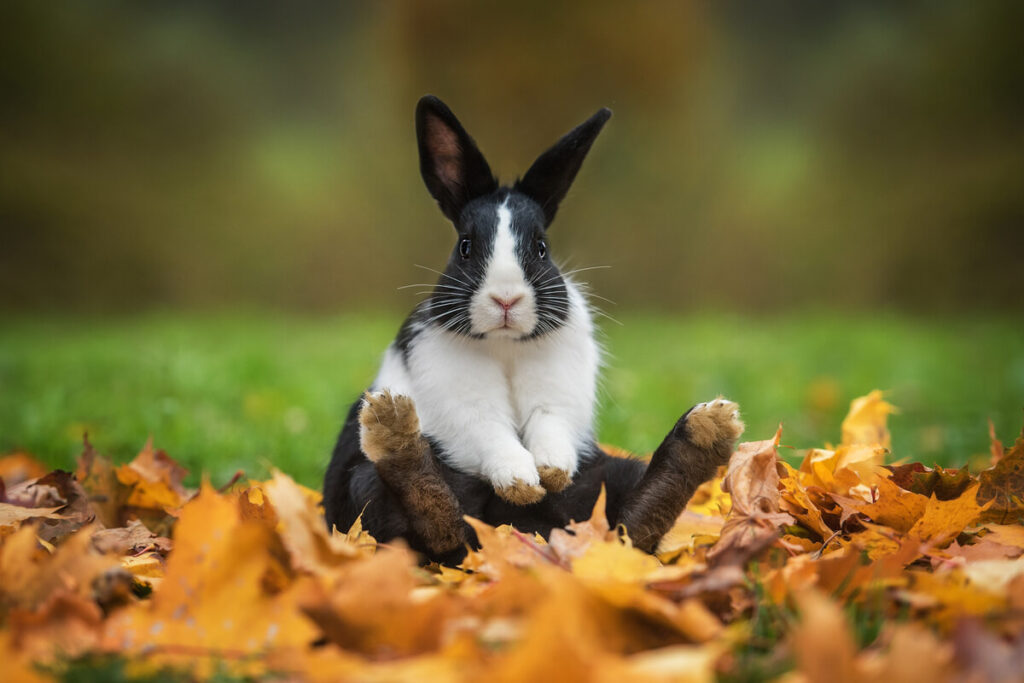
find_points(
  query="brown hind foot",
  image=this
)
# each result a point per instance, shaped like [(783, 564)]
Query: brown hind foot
[(553, 479), (389, 426), (714, 426)]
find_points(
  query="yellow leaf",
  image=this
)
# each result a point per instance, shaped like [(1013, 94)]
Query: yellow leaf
[(29, 575), (213, 602), (865, 424), (689, 526), (895, 507), (824, 648), (709, 498), (678, 664), (943, 520), (614, 562), (302, 530)]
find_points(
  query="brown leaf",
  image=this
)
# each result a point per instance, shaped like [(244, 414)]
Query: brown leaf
[(302, 530), (1003, 484), (56, 488), (984, 549), (376, 607), (753, 479), (985, 657), (915, 656), (895, 507), (132, 539), (18, 467), (502, 549), (1007, 534), (157, 466), (753, 482), (11, 515), (574, 540), (29, 574), (995, 445), (65, 625), (98, 478), (822, 643), (943, 484)]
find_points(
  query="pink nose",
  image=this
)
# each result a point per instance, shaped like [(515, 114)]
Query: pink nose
[(506, 304)]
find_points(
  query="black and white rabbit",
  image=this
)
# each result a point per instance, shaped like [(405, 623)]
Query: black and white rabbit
[(490, 386), (500, 360)]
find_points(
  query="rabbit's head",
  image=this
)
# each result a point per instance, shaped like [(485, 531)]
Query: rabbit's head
[(500, 280)]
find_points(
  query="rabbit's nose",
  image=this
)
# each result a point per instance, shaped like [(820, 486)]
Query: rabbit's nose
[(506, 304)]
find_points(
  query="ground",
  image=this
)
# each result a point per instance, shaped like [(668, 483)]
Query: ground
[(244, 391)]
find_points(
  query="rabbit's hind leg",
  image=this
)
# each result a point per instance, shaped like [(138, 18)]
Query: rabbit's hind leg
[(390, 437), (699, 442)]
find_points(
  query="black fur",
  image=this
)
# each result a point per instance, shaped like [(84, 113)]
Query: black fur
[(645, 497), (453, 168), (353, 486), (548, 180)]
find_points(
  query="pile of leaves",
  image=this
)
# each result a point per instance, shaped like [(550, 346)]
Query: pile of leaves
[(843, 568)]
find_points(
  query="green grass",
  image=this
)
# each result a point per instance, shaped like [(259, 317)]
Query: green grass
[(246, 391)]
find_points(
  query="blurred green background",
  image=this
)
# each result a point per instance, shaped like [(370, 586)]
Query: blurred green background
[(206, 209)]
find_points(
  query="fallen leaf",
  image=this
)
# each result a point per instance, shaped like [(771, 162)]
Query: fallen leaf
[(943, 520), (213, 603), (18, 467), (752, 479), (822, 643), (130, 540), (943, 484), (895, 507), (29, 574), (311, 547), (866, 422), (1003, 484)]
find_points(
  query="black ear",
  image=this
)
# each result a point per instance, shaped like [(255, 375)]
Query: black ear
[(552, 173), (453, 168)]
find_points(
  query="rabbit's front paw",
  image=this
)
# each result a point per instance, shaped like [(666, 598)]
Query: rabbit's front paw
[(388, 426), (554, 466), (554, 479), (520, 493), (517, 485), (714, 425)]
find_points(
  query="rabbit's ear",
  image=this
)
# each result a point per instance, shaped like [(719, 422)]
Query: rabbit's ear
[(552, 173), (453, 168)]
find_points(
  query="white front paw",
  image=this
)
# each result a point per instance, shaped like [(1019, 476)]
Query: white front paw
[(517, 481), (556, 465), (506, 473), (559, 456)]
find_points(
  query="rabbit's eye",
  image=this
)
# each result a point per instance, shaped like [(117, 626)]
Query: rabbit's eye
[(465, 246), (542, 249)]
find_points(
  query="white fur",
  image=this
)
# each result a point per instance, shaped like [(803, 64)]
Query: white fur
[(499, 406), (503, 279)]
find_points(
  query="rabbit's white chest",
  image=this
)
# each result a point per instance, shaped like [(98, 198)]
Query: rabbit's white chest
[(482, 399)]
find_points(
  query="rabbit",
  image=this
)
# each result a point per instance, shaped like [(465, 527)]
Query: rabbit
[(484, 403)]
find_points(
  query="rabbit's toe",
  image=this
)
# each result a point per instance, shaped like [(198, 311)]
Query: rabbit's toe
[(520, 493), (714, 424), (553, 479), (388, 426)]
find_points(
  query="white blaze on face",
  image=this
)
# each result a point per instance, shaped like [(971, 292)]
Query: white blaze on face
[(504, 281)]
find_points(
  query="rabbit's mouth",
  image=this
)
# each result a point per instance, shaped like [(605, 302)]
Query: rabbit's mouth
[(503, 315)]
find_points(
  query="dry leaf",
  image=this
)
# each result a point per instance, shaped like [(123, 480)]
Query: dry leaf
[(865, 424)]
